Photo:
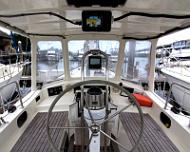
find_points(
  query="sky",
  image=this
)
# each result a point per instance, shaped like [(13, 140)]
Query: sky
[(45, 45), (74, 45)]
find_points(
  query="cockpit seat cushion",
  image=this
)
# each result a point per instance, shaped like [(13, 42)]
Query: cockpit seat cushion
[(143, 100)]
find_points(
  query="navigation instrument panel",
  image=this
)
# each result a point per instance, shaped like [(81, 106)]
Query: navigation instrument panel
[(94, 62), (99, 21)]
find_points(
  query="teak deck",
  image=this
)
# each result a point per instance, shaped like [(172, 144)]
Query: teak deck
[(34, 139), (153, 140)]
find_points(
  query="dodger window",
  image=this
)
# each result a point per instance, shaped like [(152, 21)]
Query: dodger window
[(49, 61)]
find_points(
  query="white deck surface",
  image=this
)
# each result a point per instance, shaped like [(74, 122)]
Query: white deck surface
[(181, 73)]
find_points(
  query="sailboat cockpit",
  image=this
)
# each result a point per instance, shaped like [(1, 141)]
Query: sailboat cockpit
[(91, 76)]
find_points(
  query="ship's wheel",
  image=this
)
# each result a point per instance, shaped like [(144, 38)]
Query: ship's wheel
[(94, 126)]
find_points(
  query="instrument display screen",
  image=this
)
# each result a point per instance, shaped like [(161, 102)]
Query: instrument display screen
[(96, 21), (93, 21), (95, 62)]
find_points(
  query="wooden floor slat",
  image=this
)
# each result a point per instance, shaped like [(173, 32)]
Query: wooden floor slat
[(34, 138), (153, 140)]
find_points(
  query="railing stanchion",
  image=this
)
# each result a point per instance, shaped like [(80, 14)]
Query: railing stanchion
[(2, 103), (20, 97)]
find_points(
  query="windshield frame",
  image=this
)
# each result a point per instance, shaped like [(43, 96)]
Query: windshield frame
[(92, 37), (96, 36), (116, 42)]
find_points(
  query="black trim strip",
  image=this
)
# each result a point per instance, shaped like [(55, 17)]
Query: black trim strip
[(13, 27), (37, 34), (28, 34), (151, 16), (115, 19), (42, 13), (159, 35)]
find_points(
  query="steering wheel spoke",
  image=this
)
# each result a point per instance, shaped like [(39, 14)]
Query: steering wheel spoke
[(116, 113), (68, 127), (119, 144), (96, 128)]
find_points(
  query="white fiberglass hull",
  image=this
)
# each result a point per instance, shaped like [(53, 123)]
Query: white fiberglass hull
[(179, 79), (7, 92), (181, 53)]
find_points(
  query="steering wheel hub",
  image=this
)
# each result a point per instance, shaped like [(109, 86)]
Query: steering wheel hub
[(95, 129)]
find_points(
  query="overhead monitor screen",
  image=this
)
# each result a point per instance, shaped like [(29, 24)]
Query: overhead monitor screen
[(95, 62), (93, 21), (96, 21)]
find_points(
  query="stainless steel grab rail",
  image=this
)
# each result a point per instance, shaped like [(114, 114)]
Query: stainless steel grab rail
[(170, 91), (18, 89)]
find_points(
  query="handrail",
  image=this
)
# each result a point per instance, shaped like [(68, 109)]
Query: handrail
[(10, 69), (18, 89), (170, 91), (6, 75), (169, 57)]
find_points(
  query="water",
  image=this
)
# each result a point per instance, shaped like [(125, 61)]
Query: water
[(48, 71), (50, 65)]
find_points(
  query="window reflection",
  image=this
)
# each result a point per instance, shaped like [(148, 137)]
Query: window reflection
[(78, 47), (136, 61), (49, 61)]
